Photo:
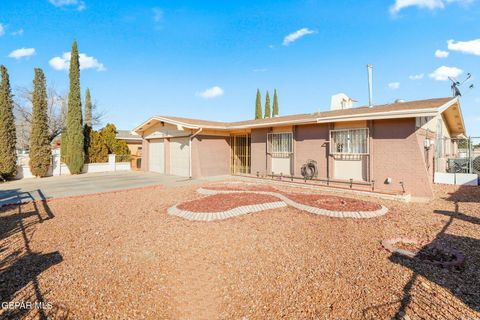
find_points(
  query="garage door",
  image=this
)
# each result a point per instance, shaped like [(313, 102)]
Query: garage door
[(179, 156), (156, 156)]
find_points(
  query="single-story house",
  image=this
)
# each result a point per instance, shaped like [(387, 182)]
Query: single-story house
[(133, 140), (135, 144), (390, 145)]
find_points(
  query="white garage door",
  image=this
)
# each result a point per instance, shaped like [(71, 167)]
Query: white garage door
[(179, 156), (156, 156)]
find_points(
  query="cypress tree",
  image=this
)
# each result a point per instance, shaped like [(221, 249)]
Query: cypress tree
[(75, 156), (64, 137), (8, 138), (267, 106), (40, 150), (88, 108), (275, 103), (88, 125), (258, 106)]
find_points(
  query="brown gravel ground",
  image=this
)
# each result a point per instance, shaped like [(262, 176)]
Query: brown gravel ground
[(224, 202), (120, 256), (335, 203)]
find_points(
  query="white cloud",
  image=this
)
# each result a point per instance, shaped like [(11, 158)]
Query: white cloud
[(22, 53), (260, 70), (212, 92), (78, 4), (2, 30), (157, 14), (394, 85), (416, 76), (294, 36), (441, 53), (470, 47), (442, 73), (19, 32), (157, 17), (86, 62), (424, 4)]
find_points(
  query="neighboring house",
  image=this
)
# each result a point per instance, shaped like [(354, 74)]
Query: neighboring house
[(391, 144), (134, 142)]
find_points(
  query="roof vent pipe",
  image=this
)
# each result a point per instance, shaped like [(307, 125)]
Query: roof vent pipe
[(370, 90)]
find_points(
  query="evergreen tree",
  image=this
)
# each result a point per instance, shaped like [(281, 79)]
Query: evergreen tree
[(114, 146), (75, 155), (8, 138), (97, 150), (258, 106), (88, 109), (267, 106), (64, 135), (40, 150), (275, 103), (88, 125)]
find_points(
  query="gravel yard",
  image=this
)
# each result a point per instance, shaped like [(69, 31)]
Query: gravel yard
[(120, 255)]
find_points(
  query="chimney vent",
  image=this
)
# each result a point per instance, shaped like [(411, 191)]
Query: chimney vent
[(370, 89)]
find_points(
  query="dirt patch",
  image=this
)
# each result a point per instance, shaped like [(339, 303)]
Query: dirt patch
[(242, 187), (333, 203), (224, 202), (121, 256)]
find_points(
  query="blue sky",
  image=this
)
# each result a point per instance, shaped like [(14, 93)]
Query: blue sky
[(206, 59)]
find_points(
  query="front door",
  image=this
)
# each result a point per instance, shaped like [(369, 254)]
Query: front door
[(241, 155)]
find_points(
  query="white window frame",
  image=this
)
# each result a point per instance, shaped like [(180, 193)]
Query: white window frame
[(289, 145), (349, 147)]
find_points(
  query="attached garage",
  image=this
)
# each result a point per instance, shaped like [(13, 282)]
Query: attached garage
[(156, 155), (180, 156)]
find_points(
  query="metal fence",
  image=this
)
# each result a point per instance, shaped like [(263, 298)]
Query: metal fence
[(455, 155)]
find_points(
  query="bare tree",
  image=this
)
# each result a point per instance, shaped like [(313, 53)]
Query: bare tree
[(57, 113)]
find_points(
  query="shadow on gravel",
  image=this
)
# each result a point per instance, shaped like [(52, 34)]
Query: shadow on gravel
[(19, 265), (423, 300), (465, 194)]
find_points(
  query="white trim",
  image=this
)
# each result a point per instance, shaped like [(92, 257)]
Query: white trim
[(448, 104)]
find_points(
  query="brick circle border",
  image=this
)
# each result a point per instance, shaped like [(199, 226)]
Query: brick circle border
[(284, 202)]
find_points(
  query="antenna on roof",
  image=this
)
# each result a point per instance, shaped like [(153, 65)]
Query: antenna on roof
[(455, 84)]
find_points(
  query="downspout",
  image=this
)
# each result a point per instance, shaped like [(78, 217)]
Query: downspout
[(190, 150)]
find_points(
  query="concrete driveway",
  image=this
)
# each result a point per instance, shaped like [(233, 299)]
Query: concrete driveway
[(55, 187)]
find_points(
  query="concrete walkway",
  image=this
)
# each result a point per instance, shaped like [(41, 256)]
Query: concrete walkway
[(55, 187)]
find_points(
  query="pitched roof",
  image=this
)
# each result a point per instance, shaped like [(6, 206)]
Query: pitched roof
[(385, 111), (127, 135)]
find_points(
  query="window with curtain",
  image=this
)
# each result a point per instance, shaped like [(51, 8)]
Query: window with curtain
[(349, 141), (280, 144)]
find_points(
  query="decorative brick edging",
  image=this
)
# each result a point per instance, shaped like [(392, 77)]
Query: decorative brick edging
[(238, 211), (285, 201)]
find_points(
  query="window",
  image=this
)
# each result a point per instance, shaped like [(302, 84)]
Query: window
[(280, 144), (349, 141)]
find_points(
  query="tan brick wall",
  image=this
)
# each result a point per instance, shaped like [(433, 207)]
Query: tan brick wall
[(311, 142), (398, 154), (210, 156), (259, 152)]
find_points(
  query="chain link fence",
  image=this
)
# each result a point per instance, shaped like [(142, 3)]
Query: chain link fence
[(457, 155)]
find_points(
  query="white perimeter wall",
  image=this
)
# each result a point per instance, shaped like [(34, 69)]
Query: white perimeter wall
[(60, 169)]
